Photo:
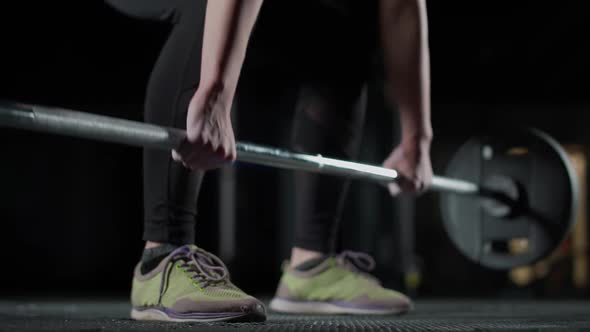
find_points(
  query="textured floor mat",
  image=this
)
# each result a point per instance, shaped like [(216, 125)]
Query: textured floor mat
[(428, 316)]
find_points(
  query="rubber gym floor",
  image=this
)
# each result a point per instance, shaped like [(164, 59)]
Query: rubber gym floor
[(428, 315)]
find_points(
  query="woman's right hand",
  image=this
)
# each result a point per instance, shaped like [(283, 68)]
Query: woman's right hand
[(210, 141)]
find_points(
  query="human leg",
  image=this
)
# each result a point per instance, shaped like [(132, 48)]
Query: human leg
[(170, 190), (318, 281), (328, 121), (177, 281)]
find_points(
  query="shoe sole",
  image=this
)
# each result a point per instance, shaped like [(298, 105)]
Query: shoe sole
[(313, 307), (154, 314)]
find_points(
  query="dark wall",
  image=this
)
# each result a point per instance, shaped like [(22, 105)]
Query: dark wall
[(71, 209)]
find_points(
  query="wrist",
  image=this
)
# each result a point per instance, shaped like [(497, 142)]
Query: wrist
[(415, 126), (418, 138), (213, 96), (210, 89)]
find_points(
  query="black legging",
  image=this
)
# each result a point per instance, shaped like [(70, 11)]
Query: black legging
[(328, 50)]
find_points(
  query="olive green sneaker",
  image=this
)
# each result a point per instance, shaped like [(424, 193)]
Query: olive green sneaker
[(191, 285), (337, 286)]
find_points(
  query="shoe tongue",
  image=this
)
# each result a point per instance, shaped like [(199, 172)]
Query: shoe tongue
[(310, 263)]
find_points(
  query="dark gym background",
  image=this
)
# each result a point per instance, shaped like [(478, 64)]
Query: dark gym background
[(71, 210)]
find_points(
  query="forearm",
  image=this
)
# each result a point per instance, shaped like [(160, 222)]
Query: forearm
[(228, 25), (404, 37)]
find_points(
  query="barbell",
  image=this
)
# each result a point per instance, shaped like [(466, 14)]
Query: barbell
[(505, 202)]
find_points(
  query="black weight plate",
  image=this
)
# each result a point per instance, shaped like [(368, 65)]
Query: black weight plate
[(548, 190)]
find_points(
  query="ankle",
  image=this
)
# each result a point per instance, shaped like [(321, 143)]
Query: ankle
[(154, 249), (300, 255), (151, 244), (153, 254)]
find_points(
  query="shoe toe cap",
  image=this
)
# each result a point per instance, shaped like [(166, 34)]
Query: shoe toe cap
[(248, 305), (393, 302), (400, 302)]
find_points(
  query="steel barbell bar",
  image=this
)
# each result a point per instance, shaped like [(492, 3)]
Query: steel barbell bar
[(109, 129)]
